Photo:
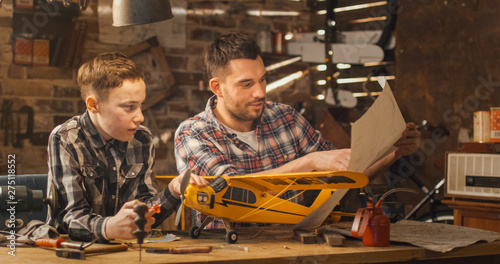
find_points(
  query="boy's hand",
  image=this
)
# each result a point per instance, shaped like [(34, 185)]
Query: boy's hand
[(175, 185), (122, 226)]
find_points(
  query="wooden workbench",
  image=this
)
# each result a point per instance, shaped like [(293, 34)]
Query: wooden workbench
[(271, 245)]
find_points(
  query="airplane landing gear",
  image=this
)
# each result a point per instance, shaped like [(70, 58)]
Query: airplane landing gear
[(194, 232), (231, 237)]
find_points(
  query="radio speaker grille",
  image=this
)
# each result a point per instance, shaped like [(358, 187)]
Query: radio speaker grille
[(474, 175)]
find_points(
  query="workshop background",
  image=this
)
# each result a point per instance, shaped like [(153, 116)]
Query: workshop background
[(443, 67)]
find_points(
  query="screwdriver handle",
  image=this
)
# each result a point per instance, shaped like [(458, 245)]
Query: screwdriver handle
[(50, 242), (140, 221)]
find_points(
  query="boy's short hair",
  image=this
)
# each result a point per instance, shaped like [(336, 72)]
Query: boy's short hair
[(226, 48), (105, 72)]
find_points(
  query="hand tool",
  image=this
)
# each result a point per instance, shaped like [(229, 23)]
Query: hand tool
[(180, 250), (81, 254), (140, 221), (61, 243)]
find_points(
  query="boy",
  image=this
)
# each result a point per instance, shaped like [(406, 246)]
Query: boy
[(102, 162)]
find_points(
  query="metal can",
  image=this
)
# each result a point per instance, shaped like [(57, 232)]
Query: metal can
[(495, 124), (277, 42), (482, 130)]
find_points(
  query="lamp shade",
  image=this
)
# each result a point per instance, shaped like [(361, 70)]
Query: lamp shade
[(138, 12)]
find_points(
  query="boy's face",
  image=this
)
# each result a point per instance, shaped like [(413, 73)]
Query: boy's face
[(120, 114)]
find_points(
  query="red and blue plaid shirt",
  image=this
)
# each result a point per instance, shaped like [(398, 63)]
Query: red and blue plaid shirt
[(203, 144)]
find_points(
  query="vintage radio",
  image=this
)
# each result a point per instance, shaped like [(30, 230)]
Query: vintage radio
[(473, 175)]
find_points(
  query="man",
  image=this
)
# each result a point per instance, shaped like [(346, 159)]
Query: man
[(240, 133), (102, 162)]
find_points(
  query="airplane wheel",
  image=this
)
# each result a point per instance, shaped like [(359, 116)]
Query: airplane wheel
[(232, 237), (194, 232)]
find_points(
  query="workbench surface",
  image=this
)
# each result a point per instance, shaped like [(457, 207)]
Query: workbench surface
[(270, 245)]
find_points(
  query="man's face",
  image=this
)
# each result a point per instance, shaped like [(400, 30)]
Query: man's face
[(120, 114), (243, 90)]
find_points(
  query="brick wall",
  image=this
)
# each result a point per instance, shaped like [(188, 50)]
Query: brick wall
[(54, 96)]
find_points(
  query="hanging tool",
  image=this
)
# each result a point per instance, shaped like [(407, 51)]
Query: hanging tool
[(7, 119), (30, 113), (140, 221)]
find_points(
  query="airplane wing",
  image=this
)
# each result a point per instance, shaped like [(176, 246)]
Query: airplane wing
[(305, 180), (316, 180)]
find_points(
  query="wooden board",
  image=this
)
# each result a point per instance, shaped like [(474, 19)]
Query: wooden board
[(267, 245)]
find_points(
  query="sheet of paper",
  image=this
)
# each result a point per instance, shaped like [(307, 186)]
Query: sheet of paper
[(432, 236), (372, 137), (374, 134)]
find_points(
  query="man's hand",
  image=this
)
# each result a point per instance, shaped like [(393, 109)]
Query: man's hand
[(122, 226), (175, 185), (332, 160), (409, 141)]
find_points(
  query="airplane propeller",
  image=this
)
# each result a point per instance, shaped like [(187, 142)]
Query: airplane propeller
[(184, 184)]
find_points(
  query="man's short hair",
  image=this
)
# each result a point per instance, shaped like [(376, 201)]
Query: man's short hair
[(226, 48), (105, 72)]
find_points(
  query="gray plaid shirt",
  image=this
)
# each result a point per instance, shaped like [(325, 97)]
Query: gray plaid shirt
[(95, 178)]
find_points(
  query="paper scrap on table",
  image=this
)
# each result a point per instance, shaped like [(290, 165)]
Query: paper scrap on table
[(372, 137), (432, 236), (166, 238)]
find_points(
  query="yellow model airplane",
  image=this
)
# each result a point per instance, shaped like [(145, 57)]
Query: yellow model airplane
[(255, 198)]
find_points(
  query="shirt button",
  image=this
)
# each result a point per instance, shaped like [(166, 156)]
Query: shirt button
[(113, 196), (114, 168), (133, 173), (91, 174)]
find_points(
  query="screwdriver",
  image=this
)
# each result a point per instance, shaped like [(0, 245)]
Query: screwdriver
[(141, 221)]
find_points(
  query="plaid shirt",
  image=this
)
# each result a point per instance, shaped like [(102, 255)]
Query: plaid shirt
[(95, 178), (205, 145)]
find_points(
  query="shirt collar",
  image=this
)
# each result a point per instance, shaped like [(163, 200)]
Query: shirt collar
[(209, 114), (95, 138)]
